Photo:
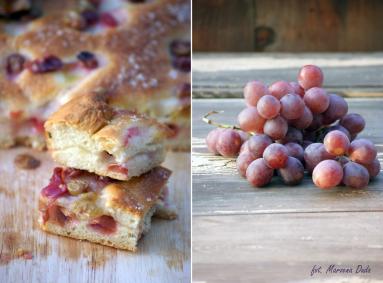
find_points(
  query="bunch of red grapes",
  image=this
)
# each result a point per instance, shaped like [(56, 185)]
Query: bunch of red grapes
[(290, 127)]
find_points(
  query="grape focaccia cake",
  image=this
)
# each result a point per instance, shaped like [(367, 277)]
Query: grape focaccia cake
[(86, 133), (85, 206), (138, 51)]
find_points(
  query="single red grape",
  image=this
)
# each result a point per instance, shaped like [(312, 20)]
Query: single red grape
[(304, 121), (353, 122), (250, 121), (276, 128), (292, 106), (229, 143), (362, 151), (310, 76), (268, 106), (211, 140), (293, 172), (280, 88), (257, 144), (337, 108), (327, 174), (317, 100), (295, 150), (355, 175), (276, 156), (253, 91), (373, 168), (336, 143), (258, 173)]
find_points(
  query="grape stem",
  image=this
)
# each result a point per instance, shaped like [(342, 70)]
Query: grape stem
[(224, 126)]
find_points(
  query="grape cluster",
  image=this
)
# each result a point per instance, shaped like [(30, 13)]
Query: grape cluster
[(292, 127)]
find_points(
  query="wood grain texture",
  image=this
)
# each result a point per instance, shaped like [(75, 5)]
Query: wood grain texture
[(225, 74), (287, 25), (222, 24), (284, 248), (163, 254), (278, 233)]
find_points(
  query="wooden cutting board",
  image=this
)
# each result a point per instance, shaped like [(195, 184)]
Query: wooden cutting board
[(30, 255)]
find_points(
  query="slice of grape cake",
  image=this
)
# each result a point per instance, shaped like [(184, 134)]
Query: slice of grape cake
[(88, 134), (82, 205)]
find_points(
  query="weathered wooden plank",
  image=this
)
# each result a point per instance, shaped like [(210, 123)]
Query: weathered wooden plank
[(287, 25), (215, 21), (224, 75), (285, 247), (163, 255), (218, 189)]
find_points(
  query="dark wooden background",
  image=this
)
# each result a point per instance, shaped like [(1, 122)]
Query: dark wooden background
[(287, 25)]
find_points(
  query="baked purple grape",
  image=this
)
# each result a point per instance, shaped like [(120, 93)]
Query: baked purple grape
[(362, 151), (15, 64), (295, 150), (257, 144), (275, 156), (336, 143), (314, 154), (276, 128), (337, 108), (249, 120), (258, 173), (87, 59), (373, 168), (317, 100), (304, 121), (280, 88), (310, 76), (327, 174), (353, 122), (253, 91), (228, 143), (355, 175), (243, 161), (268, 107), (292, 106), (48, 64), (293, 172)]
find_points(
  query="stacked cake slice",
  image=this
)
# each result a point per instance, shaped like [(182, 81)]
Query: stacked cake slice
[(111, 183)]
